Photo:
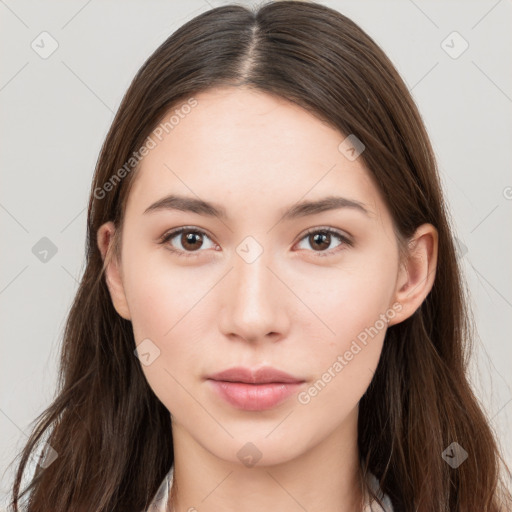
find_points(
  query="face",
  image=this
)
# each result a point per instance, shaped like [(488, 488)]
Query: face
[(308, 291)]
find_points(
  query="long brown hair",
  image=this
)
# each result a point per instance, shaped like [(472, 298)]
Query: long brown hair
[(111, 433)]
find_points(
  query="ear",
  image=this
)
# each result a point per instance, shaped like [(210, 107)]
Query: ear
[(113, 277), (416, 275)]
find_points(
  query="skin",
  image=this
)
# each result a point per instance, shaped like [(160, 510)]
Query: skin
[(291, 308)]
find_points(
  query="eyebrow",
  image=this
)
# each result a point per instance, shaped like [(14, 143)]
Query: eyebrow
[(302, 209)]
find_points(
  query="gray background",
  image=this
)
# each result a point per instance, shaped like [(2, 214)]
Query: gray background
[(56, 112)]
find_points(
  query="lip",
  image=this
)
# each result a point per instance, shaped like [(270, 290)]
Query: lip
[(254, 390), (262, 375)]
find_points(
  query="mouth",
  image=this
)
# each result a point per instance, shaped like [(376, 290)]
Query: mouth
[(254, 390)]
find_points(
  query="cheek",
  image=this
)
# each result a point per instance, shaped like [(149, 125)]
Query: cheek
[(349, 299), (168, 307), (355, 306), (153, 303), (162, 297)]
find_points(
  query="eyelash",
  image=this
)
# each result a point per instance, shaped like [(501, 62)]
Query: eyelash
[(170, 235)]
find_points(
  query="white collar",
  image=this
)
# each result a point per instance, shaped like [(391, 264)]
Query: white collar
[(160, 501)]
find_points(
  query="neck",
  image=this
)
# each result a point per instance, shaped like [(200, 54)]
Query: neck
[(327, 476)]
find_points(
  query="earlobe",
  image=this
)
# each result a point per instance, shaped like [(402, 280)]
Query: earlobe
[(113, 277), (417, 274)]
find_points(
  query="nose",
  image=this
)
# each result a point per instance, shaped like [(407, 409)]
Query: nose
[(254, 302)]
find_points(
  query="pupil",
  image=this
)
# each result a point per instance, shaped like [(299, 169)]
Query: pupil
[(319, 237), (189, 239)]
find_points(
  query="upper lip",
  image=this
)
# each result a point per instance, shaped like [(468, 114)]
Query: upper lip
[(263, 375)]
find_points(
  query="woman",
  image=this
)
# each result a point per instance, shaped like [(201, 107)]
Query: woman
[(272, 313)]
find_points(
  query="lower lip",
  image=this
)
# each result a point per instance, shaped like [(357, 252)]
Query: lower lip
[(255, 397)]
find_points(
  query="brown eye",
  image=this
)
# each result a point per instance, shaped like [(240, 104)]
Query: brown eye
[(191, 240), (321, 239), (186, 241)]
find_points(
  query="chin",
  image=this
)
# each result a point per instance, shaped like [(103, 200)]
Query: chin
[(258, 449)]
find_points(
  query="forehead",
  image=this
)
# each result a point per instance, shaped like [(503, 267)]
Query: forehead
[(249, 148)]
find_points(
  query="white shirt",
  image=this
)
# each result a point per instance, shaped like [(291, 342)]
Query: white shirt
[(161, 499)]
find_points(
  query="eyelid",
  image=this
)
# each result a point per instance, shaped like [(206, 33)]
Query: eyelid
[(175, 231), (345, 239), (169, 235)]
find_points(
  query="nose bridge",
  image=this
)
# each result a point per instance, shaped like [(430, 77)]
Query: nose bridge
[(253, 280), (253, 306)]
